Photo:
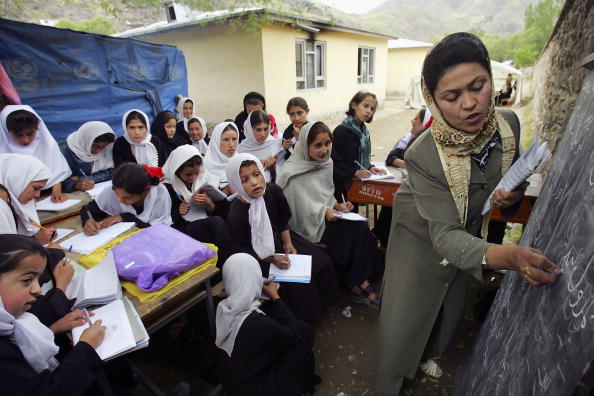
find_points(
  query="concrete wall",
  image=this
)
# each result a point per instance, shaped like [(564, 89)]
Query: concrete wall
[(329, 103), (403, 64), (222, 67), (558, 74)]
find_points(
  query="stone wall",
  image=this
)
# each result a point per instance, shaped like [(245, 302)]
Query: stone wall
[(558, 73)]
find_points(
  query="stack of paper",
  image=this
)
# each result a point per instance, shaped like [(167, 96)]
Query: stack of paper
[(47, 204), (537, 154), (96, 190), (299, 271), (98, 285), (213, 193), (352, 216), (125, 332), (86, 244)]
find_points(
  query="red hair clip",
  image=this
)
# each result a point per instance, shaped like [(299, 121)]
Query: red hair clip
[(153, 171)]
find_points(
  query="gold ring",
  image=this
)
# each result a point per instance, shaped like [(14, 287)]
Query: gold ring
[(526, 271)]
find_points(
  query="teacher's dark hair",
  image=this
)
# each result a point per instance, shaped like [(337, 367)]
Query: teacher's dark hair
[(14, 248), (133, 178), (317, 129), (453, 50)]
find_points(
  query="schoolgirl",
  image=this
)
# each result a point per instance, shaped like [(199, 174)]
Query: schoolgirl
[(164, 128), (197, 133), (24, 132), (137, 144), (88, 152), (185, 112), (254, 101), (222, 148), (192, 210), (306, 180), (137, 196), (258, 223), (259, 143), (297, 110)]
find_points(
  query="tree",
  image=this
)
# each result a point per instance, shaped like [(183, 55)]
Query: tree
[(98, 25)]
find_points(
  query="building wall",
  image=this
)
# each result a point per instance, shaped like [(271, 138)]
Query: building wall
[(329, 103), (222, 67), (402, 65)]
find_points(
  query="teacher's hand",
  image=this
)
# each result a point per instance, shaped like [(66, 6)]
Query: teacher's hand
[(505, 199), (534, 267), (362, 173)]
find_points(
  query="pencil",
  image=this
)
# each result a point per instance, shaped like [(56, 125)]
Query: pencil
[(343, 200), (359, 165), (44, 228), (83, 173)]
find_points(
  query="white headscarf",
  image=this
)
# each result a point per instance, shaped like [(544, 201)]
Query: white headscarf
[(80, 143), (262, 238), (309, 189), (34, 340), (243, 281), (17, 171), (201, 144), (43, 147), (156, 210), (7, 220), (144, 152), (179, 108), (215, 161), (175, 160), (270, 147)]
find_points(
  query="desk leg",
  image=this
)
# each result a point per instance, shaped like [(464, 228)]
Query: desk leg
[(210, 308)]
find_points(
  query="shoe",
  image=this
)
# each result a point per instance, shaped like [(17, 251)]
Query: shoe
[(431, 368), (363, 298)]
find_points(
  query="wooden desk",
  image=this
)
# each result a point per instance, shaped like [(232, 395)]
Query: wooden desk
[(48, 217), (169, 306), (381, 192)]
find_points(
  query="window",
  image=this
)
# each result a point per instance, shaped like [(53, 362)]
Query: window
[(366, 57), (309, 64)]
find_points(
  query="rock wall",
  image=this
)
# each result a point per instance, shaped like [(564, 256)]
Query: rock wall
[(558, 73)]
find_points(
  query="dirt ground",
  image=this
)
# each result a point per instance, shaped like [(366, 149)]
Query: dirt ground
[(344, 346)]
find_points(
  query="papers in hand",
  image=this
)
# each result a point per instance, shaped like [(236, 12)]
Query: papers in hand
[(124, 329), (299, 271), (47, 204), (96, 190), (538, 153), (352, 216), (85, 244), (213, 193), (98, 285)]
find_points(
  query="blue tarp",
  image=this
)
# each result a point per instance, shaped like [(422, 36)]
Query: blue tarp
[(70, 77)]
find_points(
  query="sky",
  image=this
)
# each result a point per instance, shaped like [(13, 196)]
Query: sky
[(353, 6)]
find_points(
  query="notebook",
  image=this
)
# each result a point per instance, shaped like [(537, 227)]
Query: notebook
[(388, 175), (98, 285), (47, 204), (352, 216), (96, 190), (213, 193), (124, 329), (86, 244), (61, 233), (299, 271)]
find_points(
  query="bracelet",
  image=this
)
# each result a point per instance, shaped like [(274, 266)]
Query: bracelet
[(485, 261)]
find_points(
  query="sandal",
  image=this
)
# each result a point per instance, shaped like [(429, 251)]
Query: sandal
[(362, 297), (431, 368)]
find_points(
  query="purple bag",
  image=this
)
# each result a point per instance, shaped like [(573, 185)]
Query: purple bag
[(157, 254)]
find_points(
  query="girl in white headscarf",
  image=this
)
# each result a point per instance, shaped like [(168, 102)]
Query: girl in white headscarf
[(258, 223), (28, 349), (137, 144), (137, 196), (221, 149), (24, 132), (306, 180), (260, 353), (198, 136), (193, 211), (88, 152), (24, 177), (259, 143), (185, 112)]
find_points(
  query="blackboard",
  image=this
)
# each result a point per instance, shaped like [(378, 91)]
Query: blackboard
[(540, 341)]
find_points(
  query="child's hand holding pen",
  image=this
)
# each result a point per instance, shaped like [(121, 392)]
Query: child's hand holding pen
[(281, 261), (270, 290), (287, 143), (76, 318), (44, 235), (91, 227)]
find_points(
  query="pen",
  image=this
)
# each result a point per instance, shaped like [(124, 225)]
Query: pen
[(90, 216), (86, 315), (342, 196), (181, 198), (359, 165), (68, 254), (82, 173), (44, 228)]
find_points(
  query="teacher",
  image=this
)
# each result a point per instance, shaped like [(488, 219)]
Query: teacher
[(435, 243)]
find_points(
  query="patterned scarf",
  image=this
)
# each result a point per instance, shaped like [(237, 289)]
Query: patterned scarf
[(455, 148), (365, 142)]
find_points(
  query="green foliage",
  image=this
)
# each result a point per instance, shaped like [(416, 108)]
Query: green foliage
[(98, 25), (525, 47)]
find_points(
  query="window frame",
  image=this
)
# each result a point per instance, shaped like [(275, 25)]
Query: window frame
[(319, 62), (365, 76)]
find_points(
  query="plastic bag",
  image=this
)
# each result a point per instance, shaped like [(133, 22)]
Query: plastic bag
[(157, 254)]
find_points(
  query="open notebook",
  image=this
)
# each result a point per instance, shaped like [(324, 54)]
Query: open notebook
[(299, 271), (98, 285), (124, 329), (86, 244)]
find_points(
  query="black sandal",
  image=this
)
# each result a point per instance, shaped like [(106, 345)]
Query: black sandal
[(363, 297)]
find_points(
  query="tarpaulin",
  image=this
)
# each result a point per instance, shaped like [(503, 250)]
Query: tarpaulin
[(70, 77)]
